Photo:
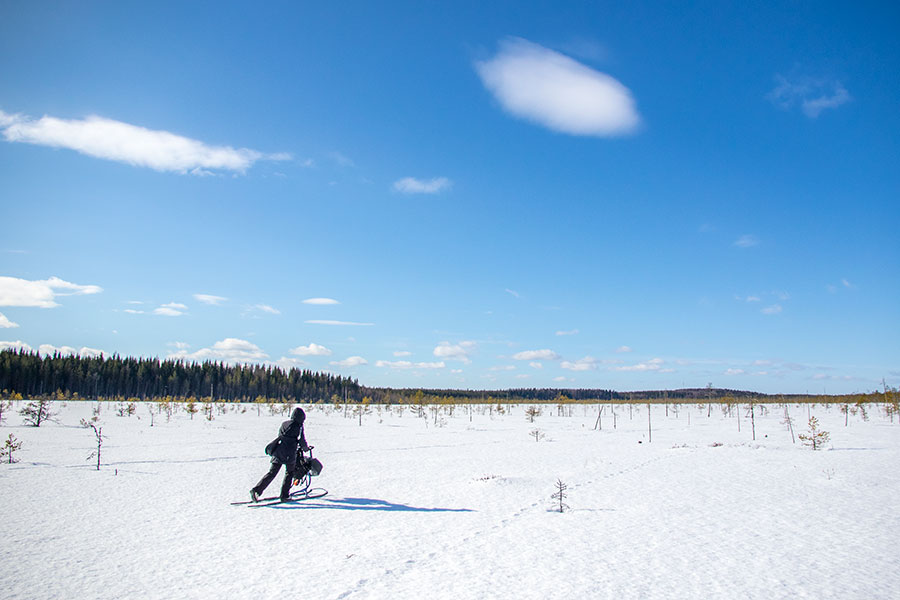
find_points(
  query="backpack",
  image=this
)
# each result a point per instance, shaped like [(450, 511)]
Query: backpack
[(272, 446)]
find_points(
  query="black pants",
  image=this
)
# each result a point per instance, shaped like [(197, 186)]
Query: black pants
[(268, 477)]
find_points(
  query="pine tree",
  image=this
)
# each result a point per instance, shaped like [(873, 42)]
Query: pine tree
[(816, 438), (11, 445), (561, 495), (37, 412)]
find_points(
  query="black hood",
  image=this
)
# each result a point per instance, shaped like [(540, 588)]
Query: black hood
[(298, 415)]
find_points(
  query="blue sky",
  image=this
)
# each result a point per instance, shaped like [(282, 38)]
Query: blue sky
[(458, 195)]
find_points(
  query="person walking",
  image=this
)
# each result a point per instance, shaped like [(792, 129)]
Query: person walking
[(283, 451)]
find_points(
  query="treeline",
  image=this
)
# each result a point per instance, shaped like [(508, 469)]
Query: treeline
[(31, 375), (27, 374)]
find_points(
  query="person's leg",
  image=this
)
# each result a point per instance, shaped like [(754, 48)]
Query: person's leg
[(267, 478), (286, 483)]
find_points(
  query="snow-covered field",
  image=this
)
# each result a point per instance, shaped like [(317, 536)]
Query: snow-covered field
[(458, 511)]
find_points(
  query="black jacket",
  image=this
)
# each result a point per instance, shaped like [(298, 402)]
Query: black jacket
[(290, 436)]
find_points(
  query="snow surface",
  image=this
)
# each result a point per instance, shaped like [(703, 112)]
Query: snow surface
[(459, 511)]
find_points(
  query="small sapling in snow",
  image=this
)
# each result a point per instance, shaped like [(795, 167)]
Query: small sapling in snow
[(9, 446), (560, 496), (537, 434), (98, 435), (5, 406), (816, 438), (37, 412), (531, 412)]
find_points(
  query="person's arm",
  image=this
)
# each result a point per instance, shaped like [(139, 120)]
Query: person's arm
[(303, 445)]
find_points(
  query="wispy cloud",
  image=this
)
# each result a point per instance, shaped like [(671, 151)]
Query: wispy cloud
[(350, 361), (774, 309), (569, 332), (5, 323), (401, 353), (229, 350), (41, 293), (172, 309), (512, 293), (536, 355), (746, 241), (654, 364), (458, 351), (122, 142), (543, 86), (312, 349), (812, 95), (341, 159), (266, 309), (623, 349), (340, 323), (405, 364), (411, 185), (587, 363), (321, 301), (209, 299)]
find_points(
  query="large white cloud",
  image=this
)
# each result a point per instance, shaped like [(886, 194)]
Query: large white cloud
[(458, 351), (553, 90), (17, 345), (41, 293), (122, 142), (229, 350), (5, 323)]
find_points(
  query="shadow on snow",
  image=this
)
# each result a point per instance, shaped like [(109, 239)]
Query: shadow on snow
[(363, 504)]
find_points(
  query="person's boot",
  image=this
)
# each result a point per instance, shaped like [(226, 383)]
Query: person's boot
[(254, 496)]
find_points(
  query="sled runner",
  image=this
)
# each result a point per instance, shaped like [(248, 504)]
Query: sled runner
[(305, 468)]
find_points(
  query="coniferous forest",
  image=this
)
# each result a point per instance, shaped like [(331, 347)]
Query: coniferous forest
[(28, 374)]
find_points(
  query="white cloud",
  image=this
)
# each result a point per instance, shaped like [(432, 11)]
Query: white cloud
[(503, 368), (537, 84), (734, 371), (351, 361), (536, 365), (5, 323), (229, 350), (623, 349), (569, 332), (267, 309), (209, 299), (405, 364), (812, 95), (179, 345), (401, 353), (746, 241), (131, 311), (312, 350), (50, 350), (122, 142), (536, 355), (512, 293), (654, 364), (330, 322), (172, 309), (288, 363), (562, 379), (582, 364), (411, 185), (17, 345), (847, 284), (458, 351), (41, 293), (321, 301), (341, 159), (771, 310)]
